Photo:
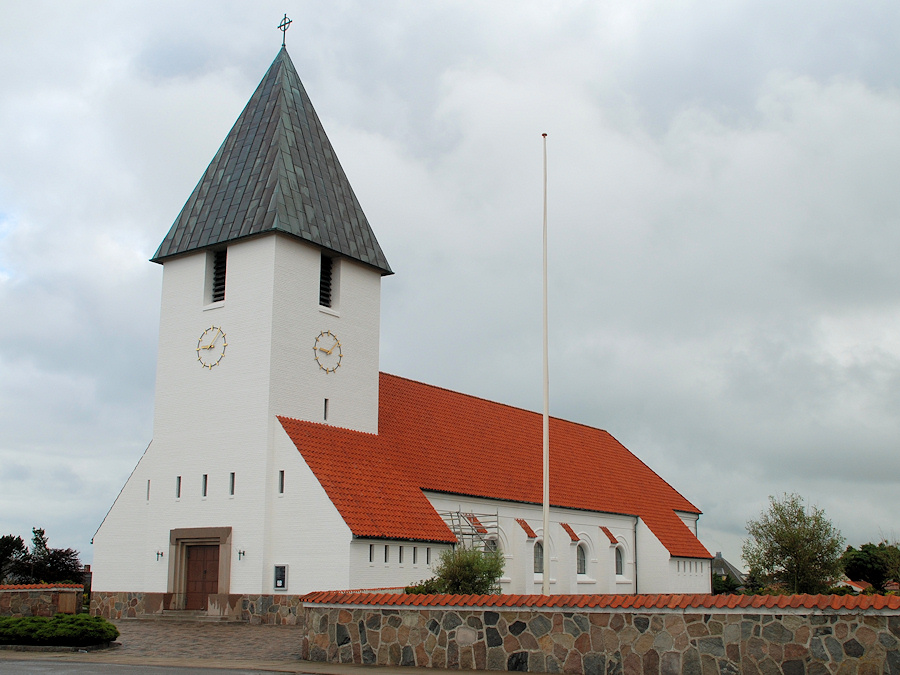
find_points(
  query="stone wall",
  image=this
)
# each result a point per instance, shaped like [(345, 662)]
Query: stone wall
[(280, 609), (649, 642), (591, 634), (40, 600)]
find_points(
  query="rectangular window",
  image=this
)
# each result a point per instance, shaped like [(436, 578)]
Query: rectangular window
[(281, 482), (400, 559), (203, 484), (371, 552), (177, 487), (219, 264), (231, 484), (427, 555), (281, 572), (325, 281), (387, 553), (415, 554)]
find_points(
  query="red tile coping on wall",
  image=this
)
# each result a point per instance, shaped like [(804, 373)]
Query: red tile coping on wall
[(39, 587), (433, 439), (609, 535), (527, 528), (570, 532), (635, 602)]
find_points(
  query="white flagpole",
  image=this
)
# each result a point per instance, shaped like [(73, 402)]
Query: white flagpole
[(545, 576)]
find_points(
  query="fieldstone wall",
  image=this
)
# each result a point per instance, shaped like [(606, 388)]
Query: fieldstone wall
[(285, 610), (40, 600), (818, 642)]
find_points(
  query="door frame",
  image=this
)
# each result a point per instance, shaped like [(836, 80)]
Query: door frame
[(179, 540)]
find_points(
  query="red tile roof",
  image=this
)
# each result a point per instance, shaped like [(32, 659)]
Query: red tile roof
[(635, 602), (473, 519), (570, 532), (525, 526), (431, 438), (609, 535)]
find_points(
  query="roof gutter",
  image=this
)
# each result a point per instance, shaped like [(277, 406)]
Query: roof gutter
[(634, 540)]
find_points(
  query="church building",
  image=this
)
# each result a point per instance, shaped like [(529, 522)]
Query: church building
[(284, 462)]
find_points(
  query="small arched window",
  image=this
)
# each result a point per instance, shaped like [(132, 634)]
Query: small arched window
[(620, 562), (538, 558), (580, 560), (491, 545)]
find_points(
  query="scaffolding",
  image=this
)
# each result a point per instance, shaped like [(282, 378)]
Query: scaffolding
[(473, 530)]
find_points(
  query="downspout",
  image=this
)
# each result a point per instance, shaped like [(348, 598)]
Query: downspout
[(634, 548)]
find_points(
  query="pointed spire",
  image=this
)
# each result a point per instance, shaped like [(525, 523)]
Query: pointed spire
[(275, 172)]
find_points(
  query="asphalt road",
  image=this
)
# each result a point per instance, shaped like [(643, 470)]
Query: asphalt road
[(32, 667)]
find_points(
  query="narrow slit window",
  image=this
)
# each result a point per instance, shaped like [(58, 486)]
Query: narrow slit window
[(427, 555), (326, 409), (203, 485), (387, 553), (325, 279), (231, 484), (538, 558), (400, 558), (220, 259), (371, 552), (177, 487), (148, 489), (415, 554), (281, 482)]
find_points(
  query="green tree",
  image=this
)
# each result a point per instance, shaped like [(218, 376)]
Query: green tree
[(874, 563), (794, 547), (12, 549), (464, 570), (43, 564)]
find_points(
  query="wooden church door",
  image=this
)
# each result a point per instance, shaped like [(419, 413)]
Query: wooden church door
[(202, 575)]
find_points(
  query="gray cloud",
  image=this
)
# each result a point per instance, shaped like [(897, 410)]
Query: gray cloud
[(724, 217)]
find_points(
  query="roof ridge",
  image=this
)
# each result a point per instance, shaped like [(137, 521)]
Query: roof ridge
[(500, 403)]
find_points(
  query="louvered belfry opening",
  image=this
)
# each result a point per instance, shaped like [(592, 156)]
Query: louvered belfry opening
[(218, 285), (325, 282)]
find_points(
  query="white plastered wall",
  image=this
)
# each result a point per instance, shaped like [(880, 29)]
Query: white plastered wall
[(222, 420), (518, 549), (659, 572)]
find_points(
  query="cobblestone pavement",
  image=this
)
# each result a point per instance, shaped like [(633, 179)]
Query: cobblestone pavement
[(192, 644), (207, 640), (196, 646)]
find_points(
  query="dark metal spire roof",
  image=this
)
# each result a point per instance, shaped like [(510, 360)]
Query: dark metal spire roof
[(275, 172)]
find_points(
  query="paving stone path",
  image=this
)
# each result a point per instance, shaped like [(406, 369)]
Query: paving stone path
[(182, 639)]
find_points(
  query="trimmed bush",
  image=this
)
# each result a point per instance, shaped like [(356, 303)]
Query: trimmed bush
[(64, 630)]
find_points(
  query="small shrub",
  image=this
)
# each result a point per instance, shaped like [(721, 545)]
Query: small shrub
[(65, 630), (433, 586), (464, 571)]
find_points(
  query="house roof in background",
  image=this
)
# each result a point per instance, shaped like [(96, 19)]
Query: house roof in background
[(434, 439)]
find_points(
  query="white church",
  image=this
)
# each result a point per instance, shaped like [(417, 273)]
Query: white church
[(284, 462)]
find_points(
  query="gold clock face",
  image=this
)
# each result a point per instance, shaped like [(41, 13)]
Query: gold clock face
[(211, 347), (327, 350)]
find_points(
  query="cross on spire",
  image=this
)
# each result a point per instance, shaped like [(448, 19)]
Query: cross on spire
[(283, 26)]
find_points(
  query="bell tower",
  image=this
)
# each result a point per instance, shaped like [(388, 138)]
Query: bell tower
[(270, 307), (271, 284)]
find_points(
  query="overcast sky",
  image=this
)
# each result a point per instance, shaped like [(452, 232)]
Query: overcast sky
[(724, 226)]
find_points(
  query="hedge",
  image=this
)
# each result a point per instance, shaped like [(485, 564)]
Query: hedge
[(64, 630)]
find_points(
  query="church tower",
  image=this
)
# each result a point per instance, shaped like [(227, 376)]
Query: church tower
[(270, 307)]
